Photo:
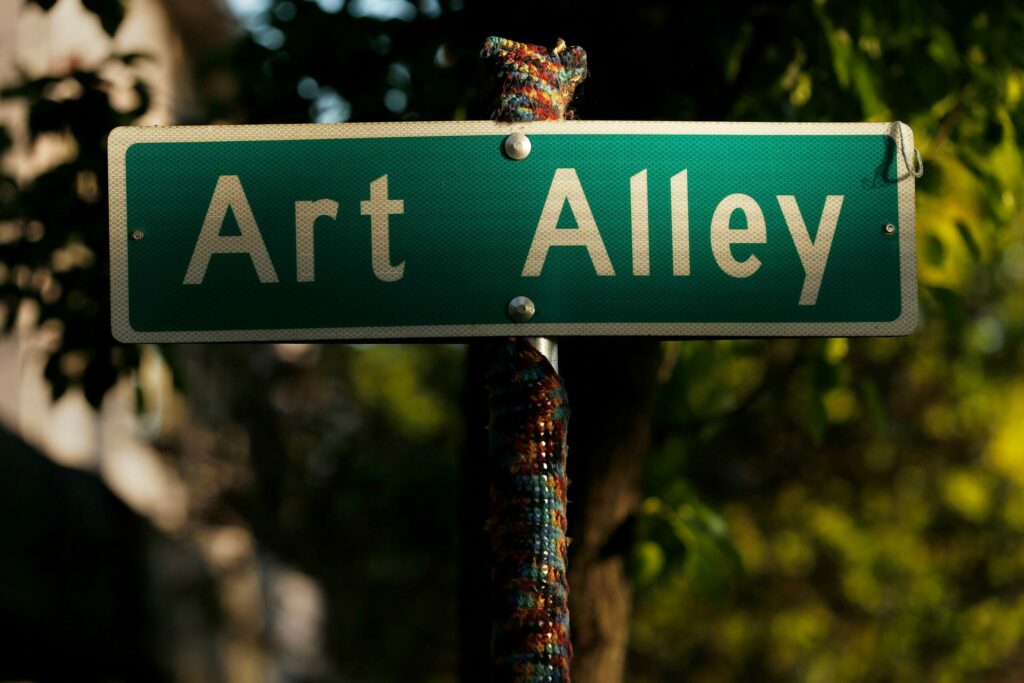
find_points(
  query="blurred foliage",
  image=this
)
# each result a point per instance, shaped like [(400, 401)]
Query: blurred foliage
[(53, 227), (816, 510), (872, 487), (345, 479)]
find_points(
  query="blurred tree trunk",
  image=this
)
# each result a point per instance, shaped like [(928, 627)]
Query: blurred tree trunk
[(611, 385)]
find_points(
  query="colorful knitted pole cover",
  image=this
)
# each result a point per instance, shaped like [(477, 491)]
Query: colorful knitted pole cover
[(529, 588), (536, 85), (529, 416)]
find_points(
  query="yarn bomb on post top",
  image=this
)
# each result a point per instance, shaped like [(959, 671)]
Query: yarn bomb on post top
[(536, 84)]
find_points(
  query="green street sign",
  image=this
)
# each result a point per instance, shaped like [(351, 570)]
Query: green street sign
[(416, 230)]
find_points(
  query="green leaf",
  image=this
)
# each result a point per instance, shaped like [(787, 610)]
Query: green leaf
[(815, 418), (968, 238), (875, 404), (839, 46), (934, 251), (739, 48), (648, 562), (712, 562), (864, 84)]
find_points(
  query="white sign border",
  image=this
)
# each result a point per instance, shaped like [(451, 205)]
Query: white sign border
[(124, 137)]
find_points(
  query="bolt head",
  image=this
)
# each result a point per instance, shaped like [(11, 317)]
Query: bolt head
[(517, 146), (521, 309), (889, 229), (137, 235)]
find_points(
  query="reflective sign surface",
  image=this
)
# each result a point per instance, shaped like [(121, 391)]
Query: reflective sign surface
[(415, 230)]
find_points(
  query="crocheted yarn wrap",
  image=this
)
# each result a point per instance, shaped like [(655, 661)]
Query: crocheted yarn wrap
[(529, 416), (536, 84)]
